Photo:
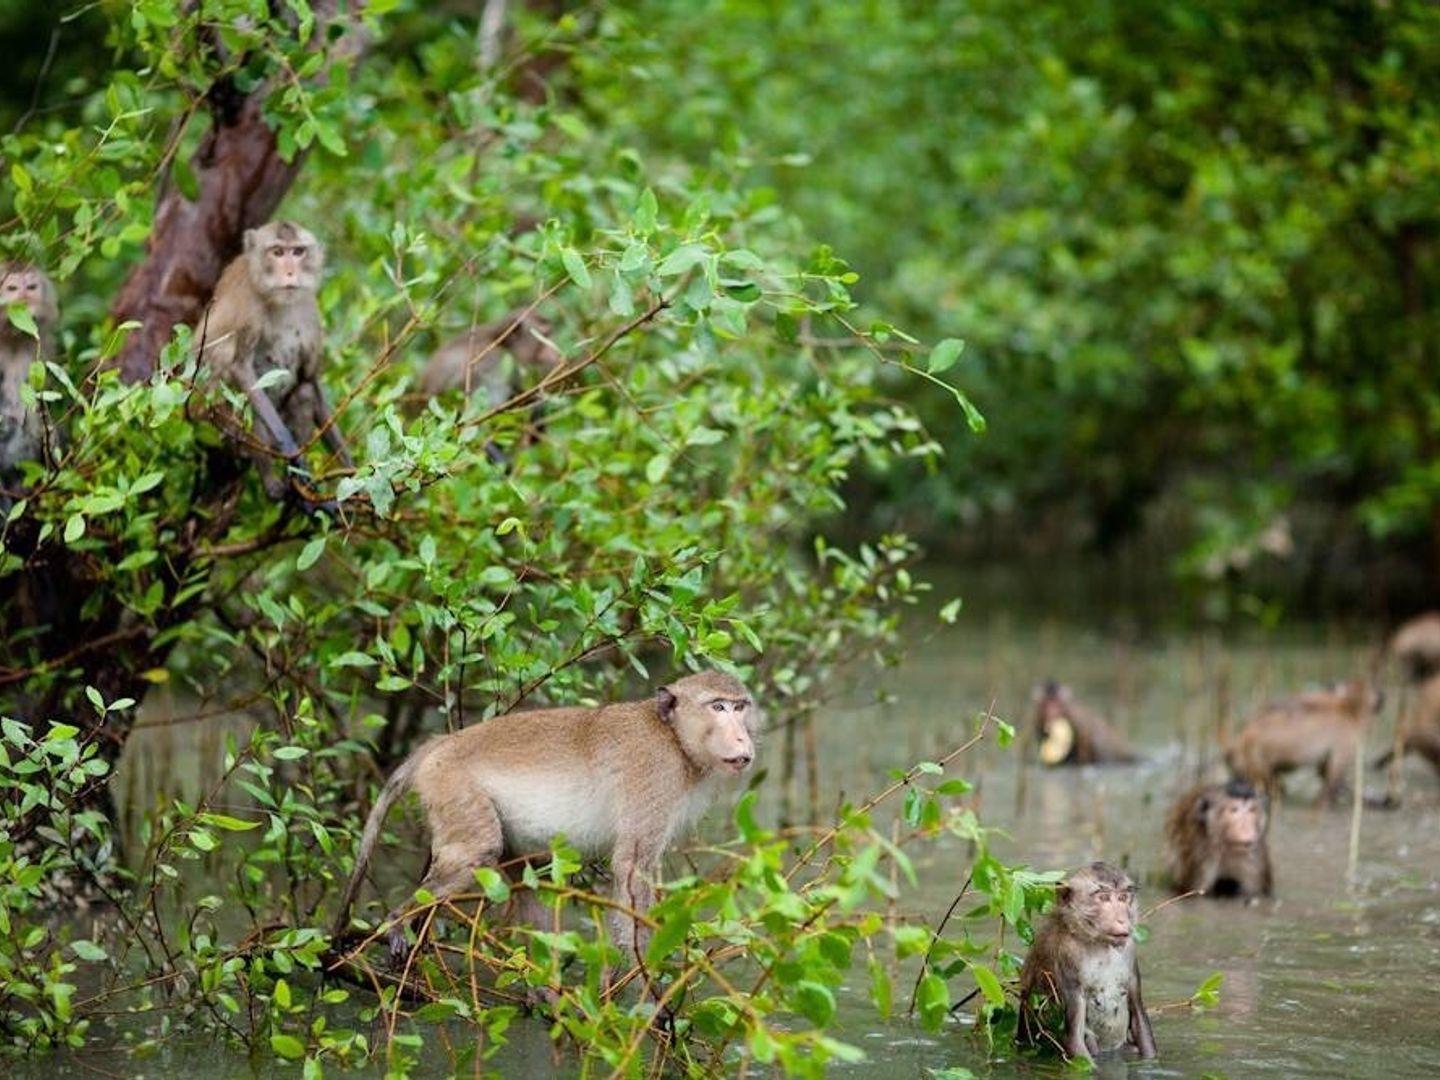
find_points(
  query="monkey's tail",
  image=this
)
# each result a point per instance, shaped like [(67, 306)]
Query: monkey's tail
[(396, 786)]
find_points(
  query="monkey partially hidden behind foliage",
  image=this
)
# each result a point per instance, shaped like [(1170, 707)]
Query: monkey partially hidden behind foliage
[(1068, 733), (22, 428), (264, 318), (496, 358), (1081, 975), (1319, 729), (1215, 841), (621, 780)]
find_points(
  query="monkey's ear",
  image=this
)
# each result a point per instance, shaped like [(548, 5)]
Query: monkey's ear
[(251, 238), (665, 702), (1202, 807), (1064, 893)]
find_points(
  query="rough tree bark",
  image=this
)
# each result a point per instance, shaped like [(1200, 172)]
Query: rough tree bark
[(241, 180)]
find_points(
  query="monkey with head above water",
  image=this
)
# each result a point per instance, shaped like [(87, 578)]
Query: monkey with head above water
[(1068, 733), (22, 428), (1082, 971), (263, 318), (621, 780), (1215, 841)]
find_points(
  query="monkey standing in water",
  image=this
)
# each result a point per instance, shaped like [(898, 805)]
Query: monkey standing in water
[(22, 429), (1319, 729), (1420, 726), (262, 318), (621, 780), (1083, 964), (1215, 841), (1416, 645), (1071, 734)]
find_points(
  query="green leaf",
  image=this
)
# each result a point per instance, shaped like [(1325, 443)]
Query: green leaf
[(575, 267), (229, 824), (22, 320), (951, 611), (646, 212), (184, 178), (74, 528), (932, 998), (668, 937), (1207, 994), (815, 1002), (287, 1046), (310, 553), (683, 258), (88, 950), (944, 355), (989, 984), (290, 753)]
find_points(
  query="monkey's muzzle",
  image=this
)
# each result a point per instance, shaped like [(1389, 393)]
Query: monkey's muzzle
[(739, 763)]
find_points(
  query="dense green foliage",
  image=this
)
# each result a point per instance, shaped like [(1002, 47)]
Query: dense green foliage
[(670, 515), (1192, 247)]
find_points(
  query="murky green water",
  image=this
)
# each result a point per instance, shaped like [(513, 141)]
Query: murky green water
[(1334, 977)]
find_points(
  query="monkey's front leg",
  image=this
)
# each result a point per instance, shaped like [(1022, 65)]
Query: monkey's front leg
[(1140, 1032), (634, 864), (325, 421), (285, 442), (1075, 1046), (280, 436)]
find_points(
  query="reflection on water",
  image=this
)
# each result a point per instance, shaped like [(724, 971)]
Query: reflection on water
[(1332, 977)]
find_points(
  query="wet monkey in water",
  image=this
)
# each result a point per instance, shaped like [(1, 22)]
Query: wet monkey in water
[(1082, 974), (264, 318), (22, 428), (1319, 729), (621, 780), (1215, 841), (1068, 733)]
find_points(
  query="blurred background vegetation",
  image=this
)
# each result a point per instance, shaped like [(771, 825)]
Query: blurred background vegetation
[(1192, 248)]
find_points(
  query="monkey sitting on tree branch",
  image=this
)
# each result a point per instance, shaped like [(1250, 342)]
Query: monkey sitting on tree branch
[(264, 319)]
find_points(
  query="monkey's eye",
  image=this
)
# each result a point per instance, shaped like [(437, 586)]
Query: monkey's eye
[(277, 252), (717, 706), (297, 252)]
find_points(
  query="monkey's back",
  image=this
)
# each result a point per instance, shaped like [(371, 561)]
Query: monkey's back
[(1185, 840), (1293, 734), (575, 771)]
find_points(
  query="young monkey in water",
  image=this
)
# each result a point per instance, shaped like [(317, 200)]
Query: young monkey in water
[(1083, 965)]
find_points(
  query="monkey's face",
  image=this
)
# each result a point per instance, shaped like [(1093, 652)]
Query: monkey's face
[(715, 720), (28, 286), (1099, 905), (1238, 822), (285, 261)]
